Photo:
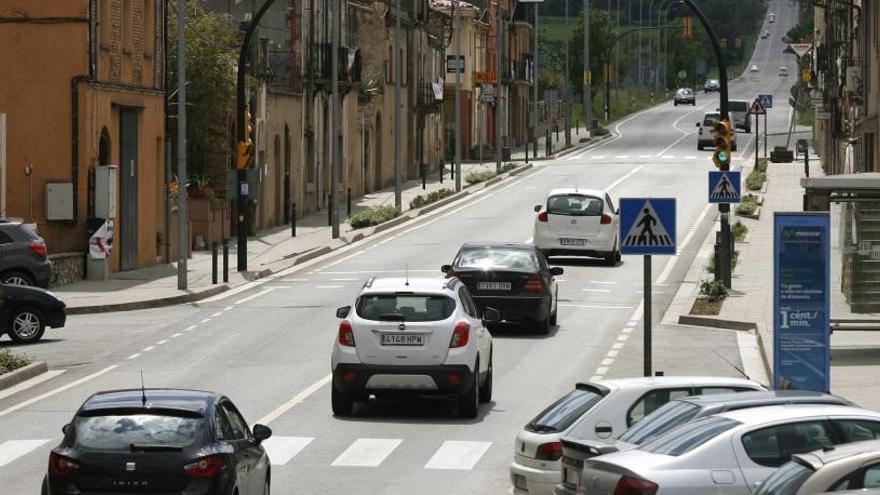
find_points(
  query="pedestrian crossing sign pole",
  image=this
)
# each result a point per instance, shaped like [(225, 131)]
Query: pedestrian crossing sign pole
[(647, 227), (725, 187)]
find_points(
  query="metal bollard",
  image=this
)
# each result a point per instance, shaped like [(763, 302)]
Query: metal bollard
[(293, 219), (424, 176), (225, 260), (330, 211), (214, 262), (348, 202), (807, 163), (441, 171), (577, 126)]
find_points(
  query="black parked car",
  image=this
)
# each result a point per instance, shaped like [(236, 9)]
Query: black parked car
[(159, 441), (513, 278), (23, 259), (25, 312)]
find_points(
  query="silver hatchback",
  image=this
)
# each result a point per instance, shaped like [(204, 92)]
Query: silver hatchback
[(852, 468)]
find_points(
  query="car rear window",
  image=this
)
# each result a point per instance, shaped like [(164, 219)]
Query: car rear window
[(739, 106), (565, 411), (710, 120), (786, 480), (687, 437), (517, 259), (575, 205), (405, 307), (121, 431), (665, 418)]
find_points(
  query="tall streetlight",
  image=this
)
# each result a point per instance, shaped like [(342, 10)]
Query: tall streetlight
[(587, 76), (567, 107), (182, 234), (537, 88), (458, 68), (334, 120), (499, 47), (398, 68)]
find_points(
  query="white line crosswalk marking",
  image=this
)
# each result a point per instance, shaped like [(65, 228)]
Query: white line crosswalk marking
[(367, 452), (13, 449), (460, 455), (282, 449)]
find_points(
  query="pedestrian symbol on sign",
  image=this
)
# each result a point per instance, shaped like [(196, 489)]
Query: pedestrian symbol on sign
[(724, 186), (647, 230)]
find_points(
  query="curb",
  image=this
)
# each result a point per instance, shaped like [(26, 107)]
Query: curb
[(150, 303), (708, 321), (25, 373)]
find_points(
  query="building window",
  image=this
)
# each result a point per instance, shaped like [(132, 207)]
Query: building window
[(104, 24), (389, 65)]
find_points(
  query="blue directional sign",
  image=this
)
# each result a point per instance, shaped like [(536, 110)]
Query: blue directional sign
[(801, 274), (647, 226), (766, 101), (725, 187)]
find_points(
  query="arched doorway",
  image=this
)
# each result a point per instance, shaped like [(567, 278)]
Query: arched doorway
[(377, 154)]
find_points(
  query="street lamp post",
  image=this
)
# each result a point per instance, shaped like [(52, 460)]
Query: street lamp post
[(587, 75), (183, 235), (567, 86), (334, 120), (398, 68), (458, 68), (537, 87)]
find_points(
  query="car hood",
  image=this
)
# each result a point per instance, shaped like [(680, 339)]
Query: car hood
[(26, 291)]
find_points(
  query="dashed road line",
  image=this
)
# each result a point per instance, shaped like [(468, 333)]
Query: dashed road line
[(206, 320), (367, 452), (218, 313), (329, 286), (134, 356), (190, 328), (254, 296), (296, 399), (176, 335), (148, 348), (596, 290), (162, 342), (459, 455), (22, 405)]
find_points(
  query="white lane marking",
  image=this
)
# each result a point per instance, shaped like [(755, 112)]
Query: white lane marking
[(690, 157), (370, 272), (298, 398), (282, 449), (148, 348), (577, 157), (617, 345), (454, 454), (328, 286), (227, 308), (190, 328), (597, 378), (293, 280), (612, 353), (667, 270), (644, 156), (600, 157), (162, 342), (601, 370), (352, 255), (58, 390), (206, 320), (13, 449), (621, 157), (176, 335), (590, 306), (625, 177), (637, 314), (627, 330), (668, 157), (135, 355), (600, 282), (218, 313), (595, 290), (254, 296), (623, 337), (632, 323), (32, 382), (367, 452), (607, 361), (345, 279)]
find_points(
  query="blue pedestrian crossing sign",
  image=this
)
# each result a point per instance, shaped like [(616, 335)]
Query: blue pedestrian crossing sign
[(647, 226), (725, 187), (766, 101)]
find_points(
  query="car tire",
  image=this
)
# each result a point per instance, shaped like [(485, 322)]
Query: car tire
[(469, 402), (16, 277), (486, 387), (342, 404), (543, 327), (45, 489), (554, 315), (26, 325), (675, 103), (699, 147)]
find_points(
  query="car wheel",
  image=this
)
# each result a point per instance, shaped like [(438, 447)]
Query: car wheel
[(469, 402), (16, 277), (699, 147), (555, 313), (486, 388), (675, 103), (26, 325), (543, 327), (343, 404)]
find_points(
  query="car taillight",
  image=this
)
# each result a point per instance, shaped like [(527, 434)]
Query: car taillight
[(533, 284), (460, 335), (542, 217), (634, 486), (606, 220), (61, 466), (206, 467), (549, 451), (346, 334), (38, 248)]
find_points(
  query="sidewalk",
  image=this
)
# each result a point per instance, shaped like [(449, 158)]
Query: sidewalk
[(557, 140)]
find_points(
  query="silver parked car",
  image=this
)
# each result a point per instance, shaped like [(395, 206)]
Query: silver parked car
[(853, 468), (725, 454)]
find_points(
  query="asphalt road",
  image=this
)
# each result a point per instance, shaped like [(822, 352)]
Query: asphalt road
[(268, 346)]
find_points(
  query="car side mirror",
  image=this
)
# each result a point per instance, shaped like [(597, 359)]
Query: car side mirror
[(65, 428), (556, 271), (261, 433), (537, 208), (343, 311), (698, 124), (446, 268), (491, 315)]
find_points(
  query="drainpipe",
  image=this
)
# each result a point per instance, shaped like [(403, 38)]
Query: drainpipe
[(74, 140)]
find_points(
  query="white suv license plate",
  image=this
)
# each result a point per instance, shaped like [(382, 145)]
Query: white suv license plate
[(402, 339), (493, 286), (573, 242)]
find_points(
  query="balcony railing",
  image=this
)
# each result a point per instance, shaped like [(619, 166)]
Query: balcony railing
[(321, 56), (427, 98), (524, 12)]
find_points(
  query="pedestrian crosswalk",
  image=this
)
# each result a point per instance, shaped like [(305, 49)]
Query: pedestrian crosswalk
[(455, 455)]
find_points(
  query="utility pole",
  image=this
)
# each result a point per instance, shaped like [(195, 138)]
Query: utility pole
[(182, 216), (458, 68), (398, 68), (567, 107), (587, 75), (537, 87), (499, 30), (335, 16)]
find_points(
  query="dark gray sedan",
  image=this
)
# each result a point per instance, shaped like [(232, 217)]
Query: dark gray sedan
[(685, 96), (25, 312)]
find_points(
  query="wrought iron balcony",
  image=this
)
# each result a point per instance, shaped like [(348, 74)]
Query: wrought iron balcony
[(321, 58)]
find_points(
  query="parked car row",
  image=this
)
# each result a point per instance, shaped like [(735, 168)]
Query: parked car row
[(696, 435)]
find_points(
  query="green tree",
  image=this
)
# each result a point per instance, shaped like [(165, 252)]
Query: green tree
[(601, 35), (212, 46)]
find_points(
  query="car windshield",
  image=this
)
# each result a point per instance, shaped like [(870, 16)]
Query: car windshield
[(564, 412), (574, 205), (405, 307), (665, 418), (786, 480), (689, 436), (684, 92), (738, 106), (516, 259), (121, 431)]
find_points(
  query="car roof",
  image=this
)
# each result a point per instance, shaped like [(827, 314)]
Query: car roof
[(495, 245), (765, 396), (575, 190), (818, 458), (758, 415), (665, 381), (385, 285), (165, 398)]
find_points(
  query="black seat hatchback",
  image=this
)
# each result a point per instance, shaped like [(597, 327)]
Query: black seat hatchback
[(159, 441)]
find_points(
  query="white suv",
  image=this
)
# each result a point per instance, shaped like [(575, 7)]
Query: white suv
[(421, 336)]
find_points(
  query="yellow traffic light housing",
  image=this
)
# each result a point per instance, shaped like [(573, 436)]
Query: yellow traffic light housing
[(723, 133), (687, 26), (244, 149)]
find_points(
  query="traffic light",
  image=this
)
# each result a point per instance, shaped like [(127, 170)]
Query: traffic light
[(687, 25), (244, 149), (723, 133)]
